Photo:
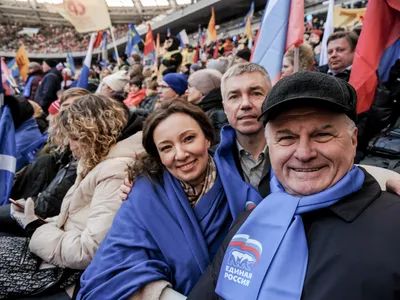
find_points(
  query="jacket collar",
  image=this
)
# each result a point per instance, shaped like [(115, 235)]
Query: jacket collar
[(352, 206)]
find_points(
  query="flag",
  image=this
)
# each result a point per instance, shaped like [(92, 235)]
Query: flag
[(203, 38), (84, 15), (248, 31), (97, 41), (71, 63), (211, 30), (133, 39), (183, 37), (250, 15), (197, 54), (84, 77), (169, 32), (343, 17), (104, 53), (8, 159), (22, 61), (149, 43), (282, 27), (7, 80), (13, 67), (379, 37), (329, 28)]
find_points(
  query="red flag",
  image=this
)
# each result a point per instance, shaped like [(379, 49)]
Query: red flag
[(381, 28), (196, 56), (99, 38), (295, 30), (149, 42)]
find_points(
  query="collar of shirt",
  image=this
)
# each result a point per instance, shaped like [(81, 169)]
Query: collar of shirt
[(330, 72), (243, 152)]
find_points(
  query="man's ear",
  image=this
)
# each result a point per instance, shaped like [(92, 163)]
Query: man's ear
[(354, 137)]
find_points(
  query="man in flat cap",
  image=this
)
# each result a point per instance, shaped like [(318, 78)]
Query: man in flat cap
[(326, 231)]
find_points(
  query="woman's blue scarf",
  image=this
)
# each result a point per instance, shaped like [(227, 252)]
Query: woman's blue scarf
[(267, 258)]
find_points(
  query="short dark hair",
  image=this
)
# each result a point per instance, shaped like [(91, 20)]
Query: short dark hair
[(149, 163), (138, 83), (136, 57), (350, 36)]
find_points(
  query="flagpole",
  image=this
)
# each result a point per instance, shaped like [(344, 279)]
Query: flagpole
[(115, 46), (296, 60)]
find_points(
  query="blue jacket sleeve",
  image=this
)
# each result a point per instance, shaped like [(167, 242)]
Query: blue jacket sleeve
[(128, 258)]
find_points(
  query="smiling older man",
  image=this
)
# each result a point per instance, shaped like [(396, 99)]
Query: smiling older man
[(326, 231)]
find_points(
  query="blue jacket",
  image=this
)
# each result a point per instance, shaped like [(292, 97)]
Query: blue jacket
[(25, 136)]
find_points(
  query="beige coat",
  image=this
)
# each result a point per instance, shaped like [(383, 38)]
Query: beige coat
[(87, 210)]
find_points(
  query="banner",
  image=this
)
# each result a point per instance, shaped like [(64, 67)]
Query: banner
[(22, 61), (84, 15)]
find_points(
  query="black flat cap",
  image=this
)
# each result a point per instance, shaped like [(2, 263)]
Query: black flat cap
[(310, 89)]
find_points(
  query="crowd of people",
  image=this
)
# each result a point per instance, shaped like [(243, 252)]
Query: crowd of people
[(196, 177), (49, 38)]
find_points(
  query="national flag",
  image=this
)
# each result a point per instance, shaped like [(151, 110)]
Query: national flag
[(203, 38), (13, 67), (169, 32), (248, 31), (8, 159), (149, 43), (323, 59), (133, 39), (211, 30), (97, 41), (250, 15), (282, 27), (197, 54), (22, 61), (84, 15), (104, 53), (183, 37), (376, 46), (8, 81), (71, 63), (84, 77)]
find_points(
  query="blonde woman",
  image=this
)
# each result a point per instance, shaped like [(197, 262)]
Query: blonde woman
[(306, 60), (101, 137)]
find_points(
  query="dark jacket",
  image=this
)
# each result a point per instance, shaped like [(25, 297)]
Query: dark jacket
[(345, 75), (146, 107), (353, 249), (175, 60), (211, 104), (48, 88)]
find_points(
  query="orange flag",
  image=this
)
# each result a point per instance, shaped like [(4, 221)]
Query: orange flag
[(248, 31), (211, 30), (149, 42), (22, 61)]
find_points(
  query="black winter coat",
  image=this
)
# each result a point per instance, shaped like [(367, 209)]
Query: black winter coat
[(211, 104), (353, 249), (48, 88)]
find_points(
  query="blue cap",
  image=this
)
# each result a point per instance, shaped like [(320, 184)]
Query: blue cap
[(177, 82)]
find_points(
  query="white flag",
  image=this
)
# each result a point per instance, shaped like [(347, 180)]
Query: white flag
[(323, 58), (184, 37), (84, 15)]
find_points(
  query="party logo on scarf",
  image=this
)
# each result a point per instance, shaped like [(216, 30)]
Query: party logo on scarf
[(244, 254)]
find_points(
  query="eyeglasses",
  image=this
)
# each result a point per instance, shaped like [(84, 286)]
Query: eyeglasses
[(163, 86)]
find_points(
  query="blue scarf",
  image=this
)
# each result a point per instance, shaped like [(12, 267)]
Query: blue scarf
[(27, 88), (267, 258), (240, 199)]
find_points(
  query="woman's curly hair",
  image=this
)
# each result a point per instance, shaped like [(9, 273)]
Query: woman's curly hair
[(96, 121), (306, 57)]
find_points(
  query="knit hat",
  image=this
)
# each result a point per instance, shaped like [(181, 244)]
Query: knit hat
[(195, 67), (244, 54), (117, 81), (177, 82), (205, 80), (51, 62), (220, 64), (54, 107)]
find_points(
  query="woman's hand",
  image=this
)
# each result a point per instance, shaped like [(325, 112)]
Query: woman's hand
[(393, 186), (26, 215), (125, 189)]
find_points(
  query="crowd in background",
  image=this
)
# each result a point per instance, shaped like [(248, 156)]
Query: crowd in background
[(49, 38), (179, 149)]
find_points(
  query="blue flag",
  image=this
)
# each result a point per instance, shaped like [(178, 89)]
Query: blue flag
[(249, 14), (71, 63), (13, 67), (133, 39), (7, 149), (83, 80)]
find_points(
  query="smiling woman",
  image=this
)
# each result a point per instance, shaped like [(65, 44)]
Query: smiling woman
[(177, 215)]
